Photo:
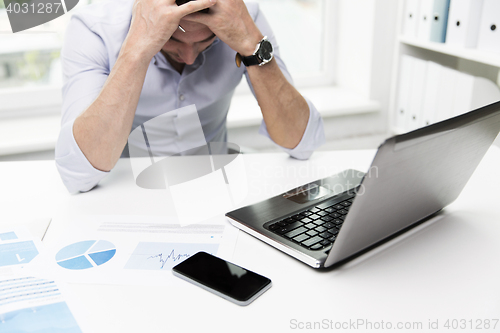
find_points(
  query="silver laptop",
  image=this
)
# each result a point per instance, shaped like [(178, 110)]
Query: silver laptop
[(413, 176)]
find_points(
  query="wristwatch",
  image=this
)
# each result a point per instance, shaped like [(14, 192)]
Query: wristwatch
[(262, 55)]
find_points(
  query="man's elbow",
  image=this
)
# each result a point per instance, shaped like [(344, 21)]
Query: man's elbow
[(73, 180)]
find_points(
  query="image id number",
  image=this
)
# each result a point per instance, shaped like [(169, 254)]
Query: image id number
[(39, 8), (478, 324)]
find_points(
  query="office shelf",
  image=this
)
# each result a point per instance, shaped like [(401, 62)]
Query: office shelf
[(475, 62), (487, 58)]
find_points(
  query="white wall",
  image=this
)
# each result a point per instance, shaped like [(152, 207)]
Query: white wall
[(366, 41), (355, 44)]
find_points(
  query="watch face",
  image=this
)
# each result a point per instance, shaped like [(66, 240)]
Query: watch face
[(266, 50)]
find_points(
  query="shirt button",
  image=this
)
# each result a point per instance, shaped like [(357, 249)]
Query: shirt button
[(181, 97)]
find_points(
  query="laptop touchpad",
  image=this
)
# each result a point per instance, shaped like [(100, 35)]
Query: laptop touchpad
[(306, 193)]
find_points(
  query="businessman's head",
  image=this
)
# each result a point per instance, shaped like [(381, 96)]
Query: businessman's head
[(184, 47)]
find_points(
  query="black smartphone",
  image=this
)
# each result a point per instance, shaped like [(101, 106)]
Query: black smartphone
[(181, 2), (223, 278)]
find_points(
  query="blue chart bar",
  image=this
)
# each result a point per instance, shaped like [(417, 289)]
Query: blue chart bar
[(17, 253), (163, 256), (46, 318), (8, 236)]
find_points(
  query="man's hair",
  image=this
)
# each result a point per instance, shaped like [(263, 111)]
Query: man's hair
[(181, 2)]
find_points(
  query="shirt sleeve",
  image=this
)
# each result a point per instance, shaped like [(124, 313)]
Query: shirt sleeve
[(314, 135), (85, 69)]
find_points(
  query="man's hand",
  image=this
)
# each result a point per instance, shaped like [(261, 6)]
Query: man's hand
[(154, 22), (230, 21), (101, 131), (285, 111)]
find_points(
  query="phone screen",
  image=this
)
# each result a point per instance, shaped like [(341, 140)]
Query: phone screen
[(223, 277)]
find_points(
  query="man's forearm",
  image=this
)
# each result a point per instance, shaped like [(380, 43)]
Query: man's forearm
[(101, 131), (285, 111)]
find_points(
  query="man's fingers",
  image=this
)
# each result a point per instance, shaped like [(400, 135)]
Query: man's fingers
[(194, 6)]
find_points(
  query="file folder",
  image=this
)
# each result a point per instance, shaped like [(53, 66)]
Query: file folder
[(464, 90), (446, 94), (489, 29), (416, 94), (484, 92), (463, 22), (405, 86), (410, 18), (439, 20), (473, 92), (432, 84), (425, 18)]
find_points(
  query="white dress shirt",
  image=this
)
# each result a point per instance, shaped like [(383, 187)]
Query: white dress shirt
[(92, 43)]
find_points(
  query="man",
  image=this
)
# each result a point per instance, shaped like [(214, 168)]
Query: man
[(126, 63)]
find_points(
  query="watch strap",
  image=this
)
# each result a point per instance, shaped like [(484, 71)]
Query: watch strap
[(254, 59), (251, 60)]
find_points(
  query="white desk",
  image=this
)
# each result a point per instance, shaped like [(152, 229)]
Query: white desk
[(447, 268)]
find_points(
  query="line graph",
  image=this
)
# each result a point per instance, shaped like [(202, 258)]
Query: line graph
[(161, 256), (172, 256)]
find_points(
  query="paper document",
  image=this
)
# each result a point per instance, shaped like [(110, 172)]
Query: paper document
[(37, 227), (18, 250), (28, 303), (131, 250)]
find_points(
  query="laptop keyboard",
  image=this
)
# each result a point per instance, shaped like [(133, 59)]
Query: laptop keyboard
[(315, 228)]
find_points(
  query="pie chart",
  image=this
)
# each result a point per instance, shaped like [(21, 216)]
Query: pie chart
[(85, 254)]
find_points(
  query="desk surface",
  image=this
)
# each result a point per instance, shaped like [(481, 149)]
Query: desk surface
[(446, 268)]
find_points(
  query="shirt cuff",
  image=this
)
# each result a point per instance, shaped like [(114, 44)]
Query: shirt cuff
[(76, 171), (313, 137)]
